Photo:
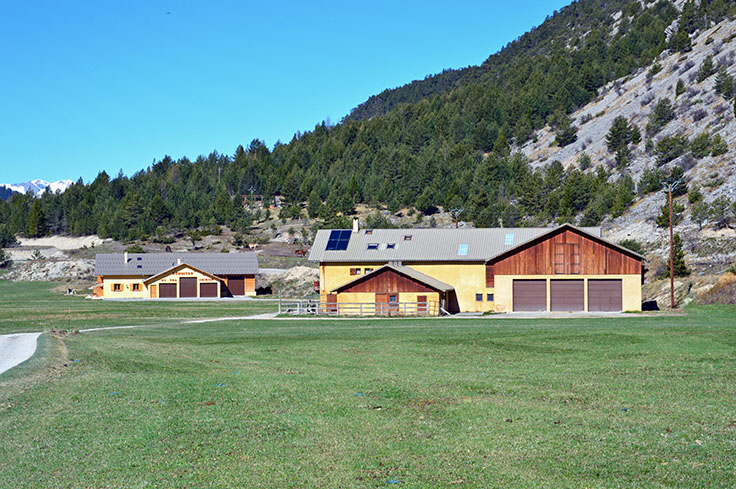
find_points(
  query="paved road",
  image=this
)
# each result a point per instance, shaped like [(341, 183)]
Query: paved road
[(16, 348)]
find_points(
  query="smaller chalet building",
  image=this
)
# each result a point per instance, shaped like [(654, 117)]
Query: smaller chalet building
[(175, 275), (428, 271)]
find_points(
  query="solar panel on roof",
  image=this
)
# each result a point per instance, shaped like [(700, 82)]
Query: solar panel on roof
[(338, 241)]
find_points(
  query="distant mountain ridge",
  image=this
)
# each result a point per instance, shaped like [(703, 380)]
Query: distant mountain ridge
[(37, 186)]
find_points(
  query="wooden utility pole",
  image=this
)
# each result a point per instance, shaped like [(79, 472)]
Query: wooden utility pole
[(455, 212), (669, 187)]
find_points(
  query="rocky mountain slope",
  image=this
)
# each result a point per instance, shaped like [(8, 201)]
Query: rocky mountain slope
[(699, 109)]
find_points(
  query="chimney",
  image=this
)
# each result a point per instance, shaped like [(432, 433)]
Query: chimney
[(125, 257), (356, 225), (178, 261)]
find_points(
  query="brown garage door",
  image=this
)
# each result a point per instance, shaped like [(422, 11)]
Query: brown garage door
[(188, 287), (209, 290), (167, 290), (567, 295), (530, 295), (604, 295), (236, 284)]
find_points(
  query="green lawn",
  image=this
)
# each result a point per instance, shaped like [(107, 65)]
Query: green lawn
[(34, 306), (625, 402)]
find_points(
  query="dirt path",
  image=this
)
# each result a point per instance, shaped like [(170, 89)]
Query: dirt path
[(16, 348)]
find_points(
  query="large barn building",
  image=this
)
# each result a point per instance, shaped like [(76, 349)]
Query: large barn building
[(427, 271), (175, 275)]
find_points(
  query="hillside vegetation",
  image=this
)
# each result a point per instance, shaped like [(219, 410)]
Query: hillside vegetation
[(464, 138)]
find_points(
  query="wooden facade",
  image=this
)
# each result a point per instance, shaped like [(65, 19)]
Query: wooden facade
[(386, 281), (564, 253)]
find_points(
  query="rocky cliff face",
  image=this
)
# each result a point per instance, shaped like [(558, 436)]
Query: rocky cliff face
[(696, 110)]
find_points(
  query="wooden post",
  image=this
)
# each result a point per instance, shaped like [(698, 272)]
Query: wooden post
[(672, 256)]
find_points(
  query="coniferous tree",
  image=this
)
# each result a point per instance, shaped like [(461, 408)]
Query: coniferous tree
[(678, 259)]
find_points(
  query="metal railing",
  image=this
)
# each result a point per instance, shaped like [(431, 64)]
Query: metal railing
[(430, 308), (315, 307)]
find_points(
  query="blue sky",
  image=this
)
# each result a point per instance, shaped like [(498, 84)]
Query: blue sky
[(110, 85)]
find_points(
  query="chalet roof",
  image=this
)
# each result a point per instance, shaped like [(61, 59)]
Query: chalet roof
[(147, 264), (563, 227), (465, 244), (407, 271)]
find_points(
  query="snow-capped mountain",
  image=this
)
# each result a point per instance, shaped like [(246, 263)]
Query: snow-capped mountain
[(38, 186)]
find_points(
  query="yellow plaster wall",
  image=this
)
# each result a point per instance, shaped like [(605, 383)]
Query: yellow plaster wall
[(126, 282), (467, 279), (333, 275), (630, 299)]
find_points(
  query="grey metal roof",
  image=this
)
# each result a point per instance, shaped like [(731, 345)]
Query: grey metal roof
[(410, 272), (428, 244), (147, 264)]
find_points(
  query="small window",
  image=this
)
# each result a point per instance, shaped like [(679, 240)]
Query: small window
[(117, 287), (407, 237), (355, 271), (135, 287), (462, 250), (368, 231), (393, 298), (368, 270), (372, 246), (390, 246), (509, 239), (489, 297), (478, 297)]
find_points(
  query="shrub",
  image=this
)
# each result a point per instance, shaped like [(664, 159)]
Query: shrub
[(680, 88), (694, 194), (663, 113), (5, 260), (706, 69), (136, 248), (725, 84), (686, 67), (632, 245), (700, 146), (164, 239), (718, 146), (663, 219), (699, 114), (670, 148)]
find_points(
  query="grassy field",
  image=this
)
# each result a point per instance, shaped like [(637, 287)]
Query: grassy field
[(623, 402), (36, 306)]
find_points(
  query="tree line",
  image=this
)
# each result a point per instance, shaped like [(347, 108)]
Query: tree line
[(451, 148)]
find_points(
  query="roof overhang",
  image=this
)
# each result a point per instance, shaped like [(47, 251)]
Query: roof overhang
[(557, 230), (176, 268), (430, 282)]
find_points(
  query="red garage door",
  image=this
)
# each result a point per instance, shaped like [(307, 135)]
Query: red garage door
[(167, 290), (567, 295), (209, 290), (236, 284), (604, 295), (188, 287), (530, 295)]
